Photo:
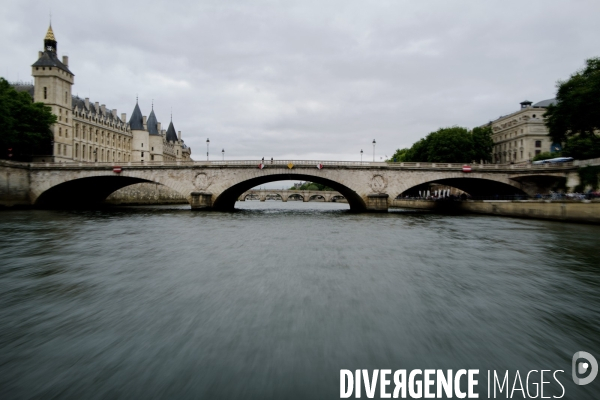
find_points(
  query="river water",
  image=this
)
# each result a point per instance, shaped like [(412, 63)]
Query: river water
[(272, 301)]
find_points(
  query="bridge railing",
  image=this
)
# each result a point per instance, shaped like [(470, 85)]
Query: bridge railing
[(313, 163)]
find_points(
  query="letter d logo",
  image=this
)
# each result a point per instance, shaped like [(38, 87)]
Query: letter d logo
[(583, 367)]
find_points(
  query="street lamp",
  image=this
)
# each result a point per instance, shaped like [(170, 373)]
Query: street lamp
[(223, 153), (373, 150), (361, 152), (207, 143)]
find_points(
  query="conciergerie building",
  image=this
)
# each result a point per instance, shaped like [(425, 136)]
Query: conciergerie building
[(90, 132)]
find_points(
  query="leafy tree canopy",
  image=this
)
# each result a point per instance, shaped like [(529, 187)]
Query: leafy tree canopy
[(582, 148), (451, 145), (544, 156), (25, 124), (578, 102), (311, 186)]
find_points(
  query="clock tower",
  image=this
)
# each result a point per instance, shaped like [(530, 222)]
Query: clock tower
[(52, 86)]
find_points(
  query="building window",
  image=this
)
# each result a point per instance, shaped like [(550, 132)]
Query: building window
[(45, 93), (152, 157), (538, 143), (142, 154), (153, 149), (66, 133), (66, 97), (142, 144), (59, 131)]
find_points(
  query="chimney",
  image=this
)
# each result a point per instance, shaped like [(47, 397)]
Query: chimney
[(87, 103), (66, 60), (179, 136), (103, 108), (158, 126), (124, 117), (97, 107), (114, 113), (144, 122), (40, 54)]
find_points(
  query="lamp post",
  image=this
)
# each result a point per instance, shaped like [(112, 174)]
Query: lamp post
[(373, 150), (361, 153), (207, 143), (223, 153)]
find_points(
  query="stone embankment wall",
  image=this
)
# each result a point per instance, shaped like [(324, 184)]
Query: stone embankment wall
[(572, 211), (146, 193), (14, 185)]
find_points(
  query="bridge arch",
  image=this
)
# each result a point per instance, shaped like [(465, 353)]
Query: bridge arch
[(227, 198), (475, 186), (91, 189)]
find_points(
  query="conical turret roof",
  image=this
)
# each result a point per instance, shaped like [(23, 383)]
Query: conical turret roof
[(171, 134), (152, 124), (136, 122)]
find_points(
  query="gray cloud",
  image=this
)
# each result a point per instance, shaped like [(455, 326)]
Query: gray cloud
[(308, 79)]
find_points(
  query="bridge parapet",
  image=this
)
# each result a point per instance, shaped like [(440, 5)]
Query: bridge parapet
[(313, 164)]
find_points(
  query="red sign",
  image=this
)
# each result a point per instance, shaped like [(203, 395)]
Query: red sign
[(466, 168), (117, 170), (320, 166), (261, 166)]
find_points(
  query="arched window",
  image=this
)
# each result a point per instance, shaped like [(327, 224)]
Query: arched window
[(76, 150)]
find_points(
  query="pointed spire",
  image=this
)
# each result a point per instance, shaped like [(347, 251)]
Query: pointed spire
[(50, 34), (152, 123), (171, 135), (136, 122)]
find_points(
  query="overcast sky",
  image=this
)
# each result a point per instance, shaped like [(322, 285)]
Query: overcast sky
[(308, 79)]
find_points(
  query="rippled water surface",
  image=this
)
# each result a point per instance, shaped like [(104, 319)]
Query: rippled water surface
[(270, 302)]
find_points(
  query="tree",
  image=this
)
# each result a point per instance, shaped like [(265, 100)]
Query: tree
[(582, 147), (311, 186), (578, 101), (25, 124), (483, 143), (544, 156), (399, 155), (451, 145)]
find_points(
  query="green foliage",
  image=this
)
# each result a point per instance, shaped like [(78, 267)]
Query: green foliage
[(482, 143), (25, 125), (451, 145), (582, 148), (311, 186), (399, 156), (576, 112), (544, 156), (588, 176)]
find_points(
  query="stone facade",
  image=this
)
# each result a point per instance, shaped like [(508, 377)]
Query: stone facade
[(219, 186), (520, 136), (91, 132)]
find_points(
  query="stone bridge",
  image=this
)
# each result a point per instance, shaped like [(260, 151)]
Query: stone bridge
[(284, 195), (217, 185)]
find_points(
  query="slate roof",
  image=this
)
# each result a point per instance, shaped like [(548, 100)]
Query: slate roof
[(136, 122), (79, 103), (152, 124), (171, 134), (50, 59)]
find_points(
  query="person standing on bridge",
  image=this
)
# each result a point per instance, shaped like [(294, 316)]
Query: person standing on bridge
[(263, 160), (271, 160)]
